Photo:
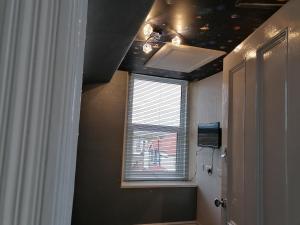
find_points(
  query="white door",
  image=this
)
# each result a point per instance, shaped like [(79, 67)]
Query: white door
[(261, 120)]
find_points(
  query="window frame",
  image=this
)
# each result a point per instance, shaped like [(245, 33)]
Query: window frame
[(182, 129)]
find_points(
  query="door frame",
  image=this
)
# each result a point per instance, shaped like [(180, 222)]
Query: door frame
[(226, 132)]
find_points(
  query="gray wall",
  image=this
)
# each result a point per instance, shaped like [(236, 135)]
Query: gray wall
[(205, 98), (99, 200)]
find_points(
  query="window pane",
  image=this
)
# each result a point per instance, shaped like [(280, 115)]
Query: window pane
[(156, 103), (153, 151)]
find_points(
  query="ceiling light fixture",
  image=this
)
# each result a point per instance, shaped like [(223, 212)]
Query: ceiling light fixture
[(176, 41), (147, 48), (155, 37)]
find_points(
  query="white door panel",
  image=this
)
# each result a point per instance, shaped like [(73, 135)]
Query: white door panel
[(272, 114)]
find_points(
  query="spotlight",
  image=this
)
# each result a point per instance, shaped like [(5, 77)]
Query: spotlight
[(148, 29), (147, 48)]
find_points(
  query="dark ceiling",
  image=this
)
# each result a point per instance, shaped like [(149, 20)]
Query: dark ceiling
[(213, 24), (111, 28)]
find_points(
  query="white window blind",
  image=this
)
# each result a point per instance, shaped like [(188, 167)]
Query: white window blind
[(156, 144)]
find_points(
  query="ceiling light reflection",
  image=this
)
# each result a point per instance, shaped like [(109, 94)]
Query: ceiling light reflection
[(251, 54), (176, 41), (238, 48)]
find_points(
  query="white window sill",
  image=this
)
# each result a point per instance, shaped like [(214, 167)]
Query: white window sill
[(157, 184)]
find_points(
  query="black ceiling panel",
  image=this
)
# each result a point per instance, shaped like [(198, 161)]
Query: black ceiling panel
[(111, 28), (213, 24)]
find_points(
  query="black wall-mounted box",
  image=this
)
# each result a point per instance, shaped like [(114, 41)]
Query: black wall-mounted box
[(209, 135)]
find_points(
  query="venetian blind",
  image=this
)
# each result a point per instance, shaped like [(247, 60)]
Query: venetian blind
[(156, 144)]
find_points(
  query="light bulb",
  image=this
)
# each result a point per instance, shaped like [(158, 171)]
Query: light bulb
[(147, 48), (176, 40), (148, 29)]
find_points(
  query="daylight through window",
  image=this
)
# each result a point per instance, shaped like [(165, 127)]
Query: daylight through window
[(156, 145)]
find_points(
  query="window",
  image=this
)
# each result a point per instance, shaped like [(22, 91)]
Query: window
[(156, 144)]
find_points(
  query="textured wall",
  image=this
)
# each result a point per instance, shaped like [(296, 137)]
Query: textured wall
[(99, 200), (206, 106)]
